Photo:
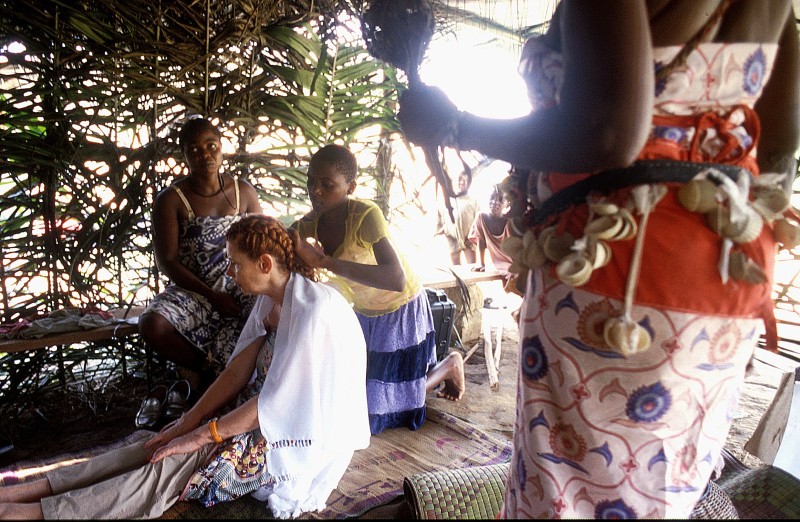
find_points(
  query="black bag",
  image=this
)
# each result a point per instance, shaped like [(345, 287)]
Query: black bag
[(444, 312)]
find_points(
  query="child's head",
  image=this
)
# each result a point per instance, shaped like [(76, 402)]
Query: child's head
[(497, 201), (331, 177), (256, 235), (337, 157), (464, 181)]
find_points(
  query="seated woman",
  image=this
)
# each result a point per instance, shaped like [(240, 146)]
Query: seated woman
[(196, 320), (299, 408)]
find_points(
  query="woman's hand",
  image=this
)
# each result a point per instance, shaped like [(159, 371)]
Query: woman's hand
[(313, 255), (428, 117), (188, 443), (225, 304), (174, 429), (478, 268)]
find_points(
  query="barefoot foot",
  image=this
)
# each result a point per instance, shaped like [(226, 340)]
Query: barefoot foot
[(454, 381)]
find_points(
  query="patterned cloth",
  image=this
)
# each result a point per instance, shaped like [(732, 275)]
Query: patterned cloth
[(601, 435), (202, 251), (237, 466)]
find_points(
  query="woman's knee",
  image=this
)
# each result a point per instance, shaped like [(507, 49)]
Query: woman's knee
[(153, 327)]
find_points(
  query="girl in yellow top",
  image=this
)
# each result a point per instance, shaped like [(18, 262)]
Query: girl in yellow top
[(387, 296)]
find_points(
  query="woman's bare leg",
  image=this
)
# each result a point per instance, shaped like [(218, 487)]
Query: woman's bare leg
[(450, 371), (16, 511), (32, 491), (162, 337)]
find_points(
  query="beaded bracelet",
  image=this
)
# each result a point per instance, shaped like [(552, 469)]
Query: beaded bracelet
[(212, 426)]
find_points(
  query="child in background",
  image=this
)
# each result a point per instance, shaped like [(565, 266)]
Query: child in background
[(465, 209), (388, 298), (488, 232)]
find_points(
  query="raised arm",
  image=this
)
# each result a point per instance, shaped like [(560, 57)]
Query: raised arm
[(603, 114), (388, 274)]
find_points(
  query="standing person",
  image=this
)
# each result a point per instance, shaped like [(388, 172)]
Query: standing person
[(488, 231), (635, 343), (291, 408), (388, 298), (465, 209), (196, 320)]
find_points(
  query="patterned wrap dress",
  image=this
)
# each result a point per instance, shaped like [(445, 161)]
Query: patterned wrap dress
[(238, 465), (599, 434), (202, 251), (398, 326)]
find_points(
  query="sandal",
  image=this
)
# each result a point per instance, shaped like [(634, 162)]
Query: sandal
[(149, 413), (177, 400)]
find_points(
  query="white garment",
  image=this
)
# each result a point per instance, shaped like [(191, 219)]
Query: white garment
[(312, 408)]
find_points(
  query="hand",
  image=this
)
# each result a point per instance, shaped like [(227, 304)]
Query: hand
[(313, 255), (192, 441), (427, 116), (478, 268), (176, 428), (225, 304)]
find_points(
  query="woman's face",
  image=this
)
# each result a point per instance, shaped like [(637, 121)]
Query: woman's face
[(327, 187), (246, 272), (203, 152)]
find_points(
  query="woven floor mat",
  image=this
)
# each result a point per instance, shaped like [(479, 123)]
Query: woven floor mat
[(477, 492)]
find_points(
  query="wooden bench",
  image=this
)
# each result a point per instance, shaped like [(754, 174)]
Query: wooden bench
[(127, 325), (448, 276)]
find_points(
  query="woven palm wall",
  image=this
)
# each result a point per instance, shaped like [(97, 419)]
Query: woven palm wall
[(90, 94)]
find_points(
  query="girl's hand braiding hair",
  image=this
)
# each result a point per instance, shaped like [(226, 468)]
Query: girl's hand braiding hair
[(312, 255)]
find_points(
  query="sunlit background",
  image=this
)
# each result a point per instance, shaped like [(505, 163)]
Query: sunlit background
[(477, 68)]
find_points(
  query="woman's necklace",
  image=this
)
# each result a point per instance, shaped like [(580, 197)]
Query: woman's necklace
[(221, 188), (204, 195)]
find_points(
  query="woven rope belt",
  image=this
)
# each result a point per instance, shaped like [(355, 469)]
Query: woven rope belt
[(640, 173)]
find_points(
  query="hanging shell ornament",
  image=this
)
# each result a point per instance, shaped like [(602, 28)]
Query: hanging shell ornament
[(626, 336), (575, 269), (742, 268), (532, 252), (525, 252), (615, 226), (603, 208), (786, 233), (629, 226), (599, 253), (771, 202), (512, 246), (604, 227), (556, 246), (698, 195), (745, 230)]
